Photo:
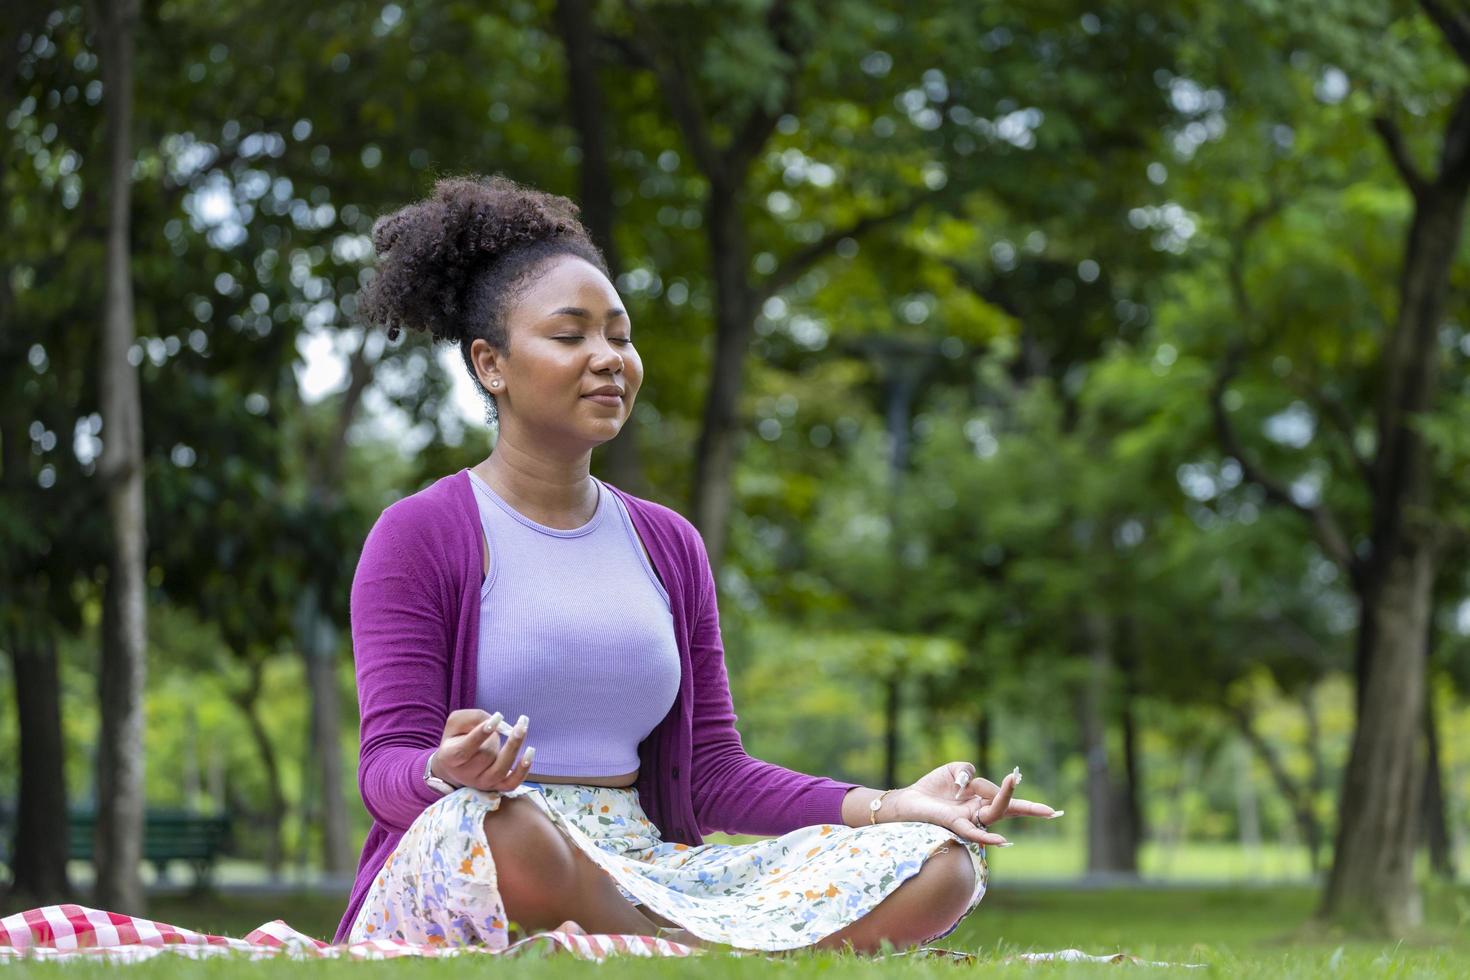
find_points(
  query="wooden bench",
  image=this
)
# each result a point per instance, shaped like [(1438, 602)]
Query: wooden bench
[(168, 835)]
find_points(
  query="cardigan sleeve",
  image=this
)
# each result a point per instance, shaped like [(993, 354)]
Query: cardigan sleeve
[(733, 792), (400, 645)]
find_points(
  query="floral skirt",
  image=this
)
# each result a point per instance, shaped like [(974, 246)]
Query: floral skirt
[(438, 886)]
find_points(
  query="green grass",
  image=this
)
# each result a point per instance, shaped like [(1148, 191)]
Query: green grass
[(1237, 932)]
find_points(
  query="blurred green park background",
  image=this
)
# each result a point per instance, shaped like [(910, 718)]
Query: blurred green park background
[(1078, 386)]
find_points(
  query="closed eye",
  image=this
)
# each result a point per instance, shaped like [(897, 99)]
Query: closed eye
[(620, 340)]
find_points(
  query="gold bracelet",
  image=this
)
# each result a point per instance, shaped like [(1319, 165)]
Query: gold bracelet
[(873, 807)]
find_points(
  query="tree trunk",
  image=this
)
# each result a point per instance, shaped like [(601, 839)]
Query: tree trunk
[(1372, 880), (1132, 769), (319, 648), (1132, 776), (619, 457), (120, 788), (120, 791), (1436, 831), (893, 688), (38, 864), (247, 700), (719, 435), (1317, 788), (1298, 801), (1111, 839), (982, 744)]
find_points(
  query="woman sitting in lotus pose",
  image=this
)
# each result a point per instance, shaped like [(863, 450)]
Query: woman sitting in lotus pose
[(525, 588)]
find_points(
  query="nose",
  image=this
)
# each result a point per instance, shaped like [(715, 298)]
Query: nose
[(610, 360)]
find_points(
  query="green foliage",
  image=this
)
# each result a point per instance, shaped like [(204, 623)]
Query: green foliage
[(1075, 213)]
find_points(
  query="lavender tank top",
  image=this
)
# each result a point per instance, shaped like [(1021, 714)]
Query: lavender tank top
[(577, 634)]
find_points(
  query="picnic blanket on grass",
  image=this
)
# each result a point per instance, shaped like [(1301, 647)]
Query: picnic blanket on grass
[(75, 931), (68, 932)]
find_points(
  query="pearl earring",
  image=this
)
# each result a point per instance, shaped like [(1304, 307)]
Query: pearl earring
[(495, 384)]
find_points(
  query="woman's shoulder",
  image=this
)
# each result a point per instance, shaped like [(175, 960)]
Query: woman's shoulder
[(433, 516), (674, 532)]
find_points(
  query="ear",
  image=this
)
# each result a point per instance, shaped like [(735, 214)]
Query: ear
[(486, 360)]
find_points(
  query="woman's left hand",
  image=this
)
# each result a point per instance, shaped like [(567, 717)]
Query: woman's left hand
[(938, 798)]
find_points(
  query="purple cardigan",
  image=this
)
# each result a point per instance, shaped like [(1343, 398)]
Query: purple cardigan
[(415, 617)]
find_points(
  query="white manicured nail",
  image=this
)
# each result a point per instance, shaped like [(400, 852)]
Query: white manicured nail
[(1053, 816), (528, 756), (1017, 773), (1009, 843)]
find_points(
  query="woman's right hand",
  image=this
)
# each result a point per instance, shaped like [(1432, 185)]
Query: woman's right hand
[(471, 753)]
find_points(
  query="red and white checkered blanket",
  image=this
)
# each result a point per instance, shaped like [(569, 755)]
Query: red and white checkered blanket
[(75, 931)]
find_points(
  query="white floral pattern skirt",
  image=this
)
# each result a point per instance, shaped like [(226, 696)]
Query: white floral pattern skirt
[(438, 886)]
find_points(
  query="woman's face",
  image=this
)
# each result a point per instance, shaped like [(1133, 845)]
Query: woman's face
[(569, 336)]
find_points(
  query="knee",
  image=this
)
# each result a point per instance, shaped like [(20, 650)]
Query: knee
[(532, 858), (949, 877), (924, 906)]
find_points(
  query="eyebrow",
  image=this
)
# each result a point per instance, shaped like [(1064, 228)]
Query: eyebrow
[(579, 312)]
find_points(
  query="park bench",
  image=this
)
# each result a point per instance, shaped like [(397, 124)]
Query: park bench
[(168, 835)]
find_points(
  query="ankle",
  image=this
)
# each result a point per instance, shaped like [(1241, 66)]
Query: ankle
[(677, 935)]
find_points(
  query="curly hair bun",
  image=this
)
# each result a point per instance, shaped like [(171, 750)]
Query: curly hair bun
[(431, 252)]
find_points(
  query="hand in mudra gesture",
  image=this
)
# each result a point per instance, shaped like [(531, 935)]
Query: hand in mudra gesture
[(954, 798), (472, 754)]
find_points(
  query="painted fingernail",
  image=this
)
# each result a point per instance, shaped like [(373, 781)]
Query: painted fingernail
[(1017, 773), (492, 722), (1009, 843), (530, 754), (504, 729), (1053, 816), (521, 724)]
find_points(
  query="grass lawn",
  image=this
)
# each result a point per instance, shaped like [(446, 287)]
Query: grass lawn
[(1245, 932)]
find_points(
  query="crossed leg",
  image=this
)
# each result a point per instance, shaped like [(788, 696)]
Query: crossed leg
[(545, 880)]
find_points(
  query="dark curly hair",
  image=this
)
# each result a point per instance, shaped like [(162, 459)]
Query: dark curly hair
[(454, 263)]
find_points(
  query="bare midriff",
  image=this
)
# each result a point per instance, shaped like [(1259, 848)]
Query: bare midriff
[(621, 782)]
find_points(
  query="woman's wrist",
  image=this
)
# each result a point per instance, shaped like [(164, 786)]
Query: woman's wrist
[(857, 806)]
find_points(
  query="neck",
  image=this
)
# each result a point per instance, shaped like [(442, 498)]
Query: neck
[(539, 483)]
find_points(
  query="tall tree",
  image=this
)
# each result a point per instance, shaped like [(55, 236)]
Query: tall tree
[(725, 134), (120, 762), (1373, 868), (587, 110), (1379, 522), (40, 557)]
